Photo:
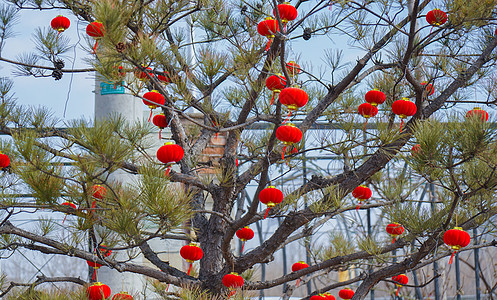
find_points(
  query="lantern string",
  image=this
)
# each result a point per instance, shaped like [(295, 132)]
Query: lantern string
[(283, 152), (288, 117), (267, 211), (452, 257), (189, 269), (366, 124), (298, 282)]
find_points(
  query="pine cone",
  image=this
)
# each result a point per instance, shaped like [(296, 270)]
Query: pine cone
[(120, 47), (307, 34), (57, 74), (59, 64)]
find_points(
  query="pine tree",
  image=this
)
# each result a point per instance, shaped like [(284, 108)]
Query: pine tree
[(221, 74)]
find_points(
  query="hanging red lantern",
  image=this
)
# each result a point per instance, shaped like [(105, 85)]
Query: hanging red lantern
[(317, 297), (245, 234), (293, 68), (361, 193), (95, 267), (346, 293), (287, 12), (98, 291), (4, 160), (270, 196), (191, 252), (98, 191), (104, 250), (96, 30), (268, 28), (170, 153), (293, 98), (430, 89), (404, 108), (122, 296), (300, 265), (394, 229), (141, 75), (232, 281), (400, 280), (477, 112), (275, 83), (60, 23), (456, 239), (436, 17), (416, 150), (375, 97), (153, 99), (288, 134), (367, 110), (164, 78), (328, 296), (160, 121), (70, 204)]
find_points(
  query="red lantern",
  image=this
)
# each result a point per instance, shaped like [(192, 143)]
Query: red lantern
[(141, 75), (164, 78), (268, 28), (270, 196), (483, 115), (404, 108), (329, 296), (293, 98), (300, 265), (293, 68), (317, 297), (275, 83), (456, 239), (153, 99), (245, 234), (160, 121), (4, 160), (361, 193), (367, 110), (122, 296), (395, 229), (60, 23), (287, 12), (98, 191), (400, 280), (430, 89), (416, 149), (436, 17), (98, 291), (346, 294), (288, 134), (96, 30), (232, 281), (375, 97), (72, 205), (191, 253), (104, 250)]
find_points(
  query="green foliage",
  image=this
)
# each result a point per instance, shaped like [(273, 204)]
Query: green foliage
[(339, 245)]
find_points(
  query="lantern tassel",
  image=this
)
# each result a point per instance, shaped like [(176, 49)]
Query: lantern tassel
[(401, 124), (298, 282), (452, 258), (272, 98), (268, 44), (95, 47), (150, 117), (366, 124), (166, 173), (64, 219), (393, 242), (94, 276), (243, 245), (160, 136), (267, 212), (398, 288), (167, 287), (288, 117), (189, 269), (358, 206), (283, 152), (231, 294)]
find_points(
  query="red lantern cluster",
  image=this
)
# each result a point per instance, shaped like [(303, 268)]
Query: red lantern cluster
[(300, 265), (404, 108), (370, 109), (191, 253), (4, 160), (268, 28), (477, 112), (287, 12), (160, 121), (232, 281), (245, 234), (436, 17), (275, 83), (430, 89), (361, 193), (96, 30), (456, 239), (346, 293), (394, 229), (288, 134), (270, 196), (60, 23), (170, 153), (98, 291), (122, 296), (153, 99), (400, 280), (98, 191)]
